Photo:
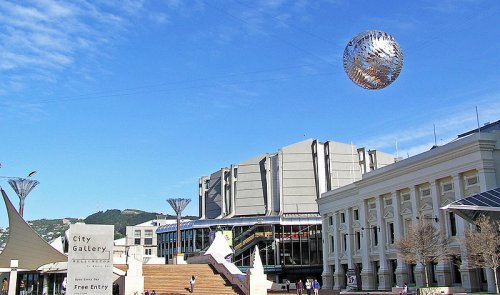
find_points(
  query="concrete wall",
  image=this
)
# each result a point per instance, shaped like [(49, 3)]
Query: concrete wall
[(250, 195), (298, 178), (213, 201)]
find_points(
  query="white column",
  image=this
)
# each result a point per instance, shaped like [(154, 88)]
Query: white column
[(487, 178), (384, 274), (470, 281), (350, 237), (443, 269), (415, 207), (339, 272), (326, 275), (402, 269), (13, 277), (415, 203), (367, 276)]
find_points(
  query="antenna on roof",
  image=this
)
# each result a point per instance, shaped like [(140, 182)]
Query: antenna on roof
[(435, 139), (477, 118)]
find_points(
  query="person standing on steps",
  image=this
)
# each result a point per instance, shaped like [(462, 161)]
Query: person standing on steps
[(191, 284)]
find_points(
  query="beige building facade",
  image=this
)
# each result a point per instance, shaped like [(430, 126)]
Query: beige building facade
[(362, 220)]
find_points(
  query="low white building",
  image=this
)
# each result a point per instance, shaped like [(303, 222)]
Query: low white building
[(144, 235), (362, 220)]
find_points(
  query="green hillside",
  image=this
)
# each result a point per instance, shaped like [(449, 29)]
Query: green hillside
[(122, 219), (50, 229)]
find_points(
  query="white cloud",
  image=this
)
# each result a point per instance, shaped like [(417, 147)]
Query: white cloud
[(449, 123), (42, 38)]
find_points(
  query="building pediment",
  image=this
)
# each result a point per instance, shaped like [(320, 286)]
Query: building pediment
[(406, 211), (372, 217), (389, 215), (426, 207)]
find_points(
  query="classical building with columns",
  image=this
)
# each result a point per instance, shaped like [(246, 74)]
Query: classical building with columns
[(362, 220)]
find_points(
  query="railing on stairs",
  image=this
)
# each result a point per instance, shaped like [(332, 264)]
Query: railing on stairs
[(225, 268)]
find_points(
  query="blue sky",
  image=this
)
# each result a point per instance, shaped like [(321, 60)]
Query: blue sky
[(123, 104)]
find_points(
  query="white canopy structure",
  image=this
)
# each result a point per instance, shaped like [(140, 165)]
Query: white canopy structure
[(24, 244), (470, 208)]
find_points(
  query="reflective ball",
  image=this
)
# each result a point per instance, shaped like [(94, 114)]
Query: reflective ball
[(373, 59)]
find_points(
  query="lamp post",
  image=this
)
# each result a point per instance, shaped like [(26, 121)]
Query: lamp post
[(22, 187), (178, 205)]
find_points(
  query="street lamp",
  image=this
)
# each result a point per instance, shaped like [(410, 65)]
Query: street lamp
[(178, 205), (22, 187)]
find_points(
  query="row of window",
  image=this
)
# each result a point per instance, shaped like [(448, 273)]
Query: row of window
[(373, 234), (148, 233)]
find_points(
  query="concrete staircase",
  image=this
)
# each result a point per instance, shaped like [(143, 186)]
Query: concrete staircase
[(168, 279)]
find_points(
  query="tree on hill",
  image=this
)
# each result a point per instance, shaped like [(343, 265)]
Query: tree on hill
[(119, 219), (483, 246)]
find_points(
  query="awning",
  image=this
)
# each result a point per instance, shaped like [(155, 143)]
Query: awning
[(24, 244), (470, 208)]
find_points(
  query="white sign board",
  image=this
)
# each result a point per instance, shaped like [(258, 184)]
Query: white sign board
[(90, 259)]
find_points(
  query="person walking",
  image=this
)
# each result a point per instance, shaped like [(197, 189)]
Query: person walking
[(22, 288), (287, 282), (308, 287), (153, 293), (191, 284), (316, 287), (5, 286), (300, 287), (147, 292)]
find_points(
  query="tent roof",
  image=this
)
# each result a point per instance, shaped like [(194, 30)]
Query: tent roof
[(470, 208), (24, 244)]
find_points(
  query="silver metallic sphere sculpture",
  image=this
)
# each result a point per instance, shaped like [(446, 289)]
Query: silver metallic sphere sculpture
[(373, 59)]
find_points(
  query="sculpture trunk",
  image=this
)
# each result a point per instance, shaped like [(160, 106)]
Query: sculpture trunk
[(178, 233)]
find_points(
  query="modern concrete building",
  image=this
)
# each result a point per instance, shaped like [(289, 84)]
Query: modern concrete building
[(362, 220), (270, 201)]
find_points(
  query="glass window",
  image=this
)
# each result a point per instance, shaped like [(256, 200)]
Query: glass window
[(342, 217), (148, 241), (356, 214), (391, 233), (447, 187), (137, 241), (453, 225), (137, 233), (358, 240), (148, 233)]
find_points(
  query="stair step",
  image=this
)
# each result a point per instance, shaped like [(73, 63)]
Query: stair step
[(168, 279)]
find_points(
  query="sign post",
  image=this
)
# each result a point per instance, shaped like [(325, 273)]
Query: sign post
[(90, 260)]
